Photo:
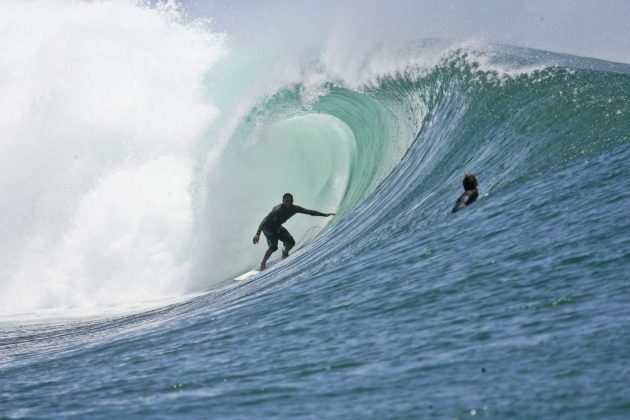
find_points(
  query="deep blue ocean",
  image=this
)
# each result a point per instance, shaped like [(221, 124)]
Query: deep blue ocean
[(135, 178)]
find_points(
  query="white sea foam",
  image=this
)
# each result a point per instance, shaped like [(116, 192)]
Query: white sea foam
[(100, 109)]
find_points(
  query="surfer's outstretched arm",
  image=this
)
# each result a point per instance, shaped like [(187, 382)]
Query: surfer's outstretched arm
[(312, 212)]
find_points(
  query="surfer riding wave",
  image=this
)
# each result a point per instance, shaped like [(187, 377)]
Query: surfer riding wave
[(272, 227)]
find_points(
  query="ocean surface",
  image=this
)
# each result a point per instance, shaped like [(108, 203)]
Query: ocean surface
[(138, 160)]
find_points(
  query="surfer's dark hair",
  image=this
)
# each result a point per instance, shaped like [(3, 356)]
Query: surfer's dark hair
[(287, 195), (470, 182)]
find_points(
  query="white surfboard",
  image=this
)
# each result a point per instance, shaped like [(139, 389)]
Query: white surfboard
[(306, 238), (247, 275), (253, 273)]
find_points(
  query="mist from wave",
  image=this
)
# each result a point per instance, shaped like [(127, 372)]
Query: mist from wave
[(101, 108)]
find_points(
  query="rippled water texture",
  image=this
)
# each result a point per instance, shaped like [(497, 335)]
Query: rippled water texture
[(117, 292)]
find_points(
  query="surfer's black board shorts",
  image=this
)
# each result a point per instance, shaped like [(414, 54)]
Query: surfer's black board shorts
[(273, 234)]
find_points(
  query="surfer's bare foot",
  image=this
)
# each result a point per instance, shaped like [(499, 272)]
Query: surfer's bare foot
[(262, 266)]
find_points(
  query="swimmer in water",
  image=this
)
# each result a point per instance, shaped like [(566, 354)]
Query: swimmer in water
[(470, 193)]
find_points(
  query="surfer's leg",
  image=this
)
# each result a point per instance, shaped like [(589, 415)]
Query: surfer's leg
[(272, 241), (263, 263), (287, 240)]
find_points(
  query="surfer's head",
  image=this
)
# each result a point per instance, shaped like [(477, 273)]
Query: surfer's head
[(470, 182), (287, 199)]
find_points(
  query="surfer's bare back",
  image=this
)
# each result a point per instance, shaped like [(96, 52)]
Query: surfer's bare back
[(272, 227)]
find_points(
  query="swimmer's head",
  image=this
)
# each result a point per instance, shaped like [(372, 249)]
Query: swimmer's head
[(470, 182)]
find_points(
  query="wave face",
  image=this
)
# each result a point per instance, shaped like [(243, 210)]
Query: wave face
[(140, 154)]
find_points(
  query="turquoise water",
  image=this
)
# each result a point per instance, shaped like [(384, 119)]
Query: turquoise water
[(515, 307)]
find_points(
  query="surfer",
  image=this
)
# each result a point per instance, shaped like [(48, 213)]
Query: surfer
[(272, 227), (470, 193)]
